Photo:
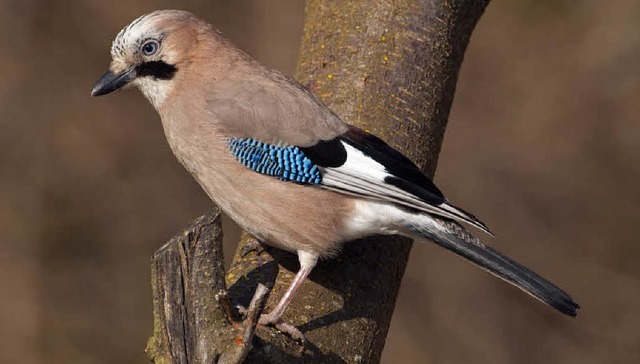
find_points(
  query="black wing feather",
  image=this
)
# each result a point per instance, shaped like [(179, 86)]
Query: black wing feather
[(396, 163), (404, 181), (407, 176)]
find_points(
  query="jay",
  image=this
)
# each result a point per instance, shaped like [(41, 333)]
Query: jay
[(282, 164)]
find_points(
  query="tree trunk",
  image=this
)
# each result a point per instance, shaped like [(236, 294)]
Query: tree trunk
[(388, 67)]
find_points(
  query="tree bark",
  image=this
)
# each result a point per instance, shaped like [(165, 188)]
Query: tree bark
[(193, 322), (388, 67)]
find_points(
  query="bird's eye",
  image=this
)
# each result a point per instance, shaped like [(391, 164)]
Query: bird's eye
[(150, 48)]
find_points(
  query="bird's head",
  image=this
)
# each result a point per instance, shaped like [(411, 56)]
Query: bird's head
[(149, 53)]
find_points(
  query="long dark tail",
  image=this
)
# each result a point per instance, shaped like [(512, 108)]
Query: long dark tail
[(454, 237)]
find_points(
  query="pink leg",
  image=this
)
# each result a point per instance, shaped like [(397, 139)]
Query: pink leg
[(307, 262)]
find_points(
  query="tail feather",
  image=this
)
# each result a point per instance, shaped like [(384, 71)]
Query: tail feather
[(466, 217), (454, 237)]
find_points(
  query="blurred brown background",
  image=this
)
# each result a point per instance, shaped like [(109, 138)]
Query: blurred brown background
[(543, 144)]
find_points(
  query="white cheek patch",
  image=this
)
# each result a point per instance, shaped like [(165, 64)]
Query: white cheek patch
[(155, 90)]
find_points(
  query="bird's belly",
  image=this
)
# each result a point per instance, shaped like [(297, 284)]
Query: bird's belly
[(287, 215)]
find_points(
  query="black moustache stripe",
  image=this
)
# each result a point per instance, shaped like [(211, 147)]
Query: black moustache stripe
[(157, 69)]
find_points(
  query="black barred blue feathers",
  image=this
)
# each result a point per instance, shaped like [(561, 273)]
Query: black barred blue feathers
[(284, 162)]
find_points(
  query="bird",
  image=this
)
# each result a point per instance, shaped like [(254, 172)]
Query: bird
[(284, 166)]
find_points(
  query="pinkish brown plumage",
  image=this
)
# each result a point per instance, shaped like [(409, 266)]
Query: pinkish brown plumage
[(280, 163)]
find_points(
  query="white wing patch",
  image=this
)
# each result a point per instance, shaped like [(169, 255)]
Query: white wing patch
[(362, 176)]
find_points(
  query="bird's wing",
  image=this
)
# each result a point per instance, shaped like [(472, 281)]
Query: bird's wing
[(271, 108), (279, 128), (355, 163), (287, 163)]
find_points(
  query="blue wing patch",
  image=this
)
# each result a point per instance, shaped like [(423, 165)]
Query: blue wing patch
[(284, 162)]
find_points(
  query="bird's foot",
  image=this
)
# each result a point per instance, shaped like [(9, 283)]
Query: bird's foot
[(272, 320)]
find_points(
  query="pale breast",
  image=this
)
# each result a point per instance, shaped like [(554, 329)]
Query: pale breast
[(284, 214), (287, 215)]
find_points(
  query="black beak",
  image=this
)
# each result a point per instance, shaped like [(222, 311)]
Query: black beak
[(110, 82)]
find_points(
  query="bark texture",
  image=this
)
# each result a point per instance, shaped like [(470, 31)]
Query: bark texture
[(388, 67), (191, 311)]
